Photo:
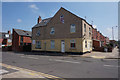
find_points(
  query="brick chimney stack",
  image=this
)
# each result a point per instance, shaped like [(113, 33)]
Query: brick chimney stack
[(9, 32), (39, 19)]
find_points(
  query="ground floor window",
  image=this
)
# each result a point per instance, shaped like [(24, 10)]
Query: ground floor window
[(85, 44), (72, 43), (52, 44), (38, 44), (90, 44)]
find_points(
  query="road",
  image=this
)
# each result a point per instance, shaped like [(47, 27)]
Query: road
[(64, 66)]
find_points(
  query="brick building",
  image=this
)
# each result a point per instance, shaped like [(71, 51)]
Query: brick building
[(20, 39), (64, 32), (5, 39), (99, 40)]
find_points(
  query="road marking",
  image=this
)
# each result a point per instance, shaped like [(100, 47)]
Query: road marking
[(32, 72), (30, 57), (98, 57), (111, 66), (64, 61)]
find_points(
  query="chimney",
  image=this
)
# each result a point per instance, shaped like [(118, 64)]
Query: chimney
[(39, 19), (9, 32)]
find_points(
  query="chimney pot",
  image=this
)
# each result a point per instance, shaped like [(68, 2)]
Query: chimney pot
[(39, 19), (9, 32)]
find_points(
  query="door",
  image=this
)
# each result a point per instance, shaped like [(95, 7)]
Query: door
[(89, 46), (62, 46)]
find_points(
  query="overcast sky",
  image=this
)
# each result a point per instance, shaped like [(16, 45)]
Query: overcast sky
[(23, 15)]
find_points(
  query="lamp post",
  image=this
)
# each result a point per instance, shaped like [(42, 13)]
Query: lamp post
[(113, 31), (113, 35)]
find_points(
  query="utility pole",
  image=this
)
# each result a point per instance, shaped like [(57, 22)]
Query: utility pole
[(92, 23), (112, 33)]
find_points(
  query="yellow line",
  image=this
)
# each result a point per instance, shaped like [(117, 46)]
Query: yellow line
[(32, 72)]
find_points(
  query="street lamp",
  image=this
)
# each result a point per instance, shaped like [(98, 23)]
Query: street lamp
[(113, 31)]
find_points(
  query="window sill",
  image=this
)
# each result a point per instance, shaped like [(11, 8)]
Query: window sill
[(72, 32), (73, 48), (37, 48)]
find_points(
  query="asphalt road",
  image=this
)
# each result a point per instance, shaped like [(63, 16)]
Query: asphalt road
[(64, 67)]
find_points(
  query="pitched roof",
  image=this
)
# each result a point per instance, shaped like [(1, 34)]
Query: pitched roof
[(23, 32), (43, 22)]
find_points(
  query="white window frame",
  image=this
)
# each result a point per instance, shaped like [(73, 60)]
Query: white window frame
[(84, 27), (52, 30), (52, 44), (89, 31), (72, 28), (38, 33), (73, 41), (6, 35), (38, 44)]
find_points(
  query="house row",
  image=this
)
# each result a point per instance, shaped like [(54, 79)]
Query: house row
[(5, 39), (16, 40), (99, 40)]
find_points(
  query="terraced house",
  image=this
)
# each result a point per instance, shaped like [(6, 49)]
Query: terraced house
[(64, 32)]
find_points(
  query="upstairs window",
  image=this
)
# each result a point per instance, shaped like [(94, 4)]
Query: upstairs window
[(6, 35), (38, 33), (89, 31), (72, 43), (72, 29), (52, 30), (38, 44), (84, 27)]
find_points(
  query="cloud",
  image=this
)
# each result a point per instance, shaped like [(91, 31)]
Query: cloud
[(109, 30), (33, 6), (19, 20), (94, 26)]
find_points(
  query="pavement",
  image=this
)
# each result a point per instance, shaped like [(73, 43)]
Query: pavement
[(104, 55)]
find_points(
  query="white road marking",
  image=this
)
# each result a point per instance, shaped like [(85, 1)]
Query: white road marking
[(3, 71), (30, 57), (64, 61), (111, 66)]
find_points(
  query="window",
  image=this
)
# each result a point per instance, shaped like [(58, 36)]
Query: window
[(52, 44), (6, 35), (85, 44), (21, 40), (38, 33), (84, 27), (52, 30), (89, 32), (38, 44), (72, 43), (9, 40), (72, 29), (21, 44), (90, 44)]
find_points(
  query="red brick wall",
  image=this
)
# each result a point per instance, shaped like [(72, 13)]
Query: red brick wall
[(26, 39), (16, 41), (96, 43)]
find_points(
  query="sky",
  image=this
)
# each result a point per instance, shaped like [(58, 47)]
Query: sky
[(23, 15)]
